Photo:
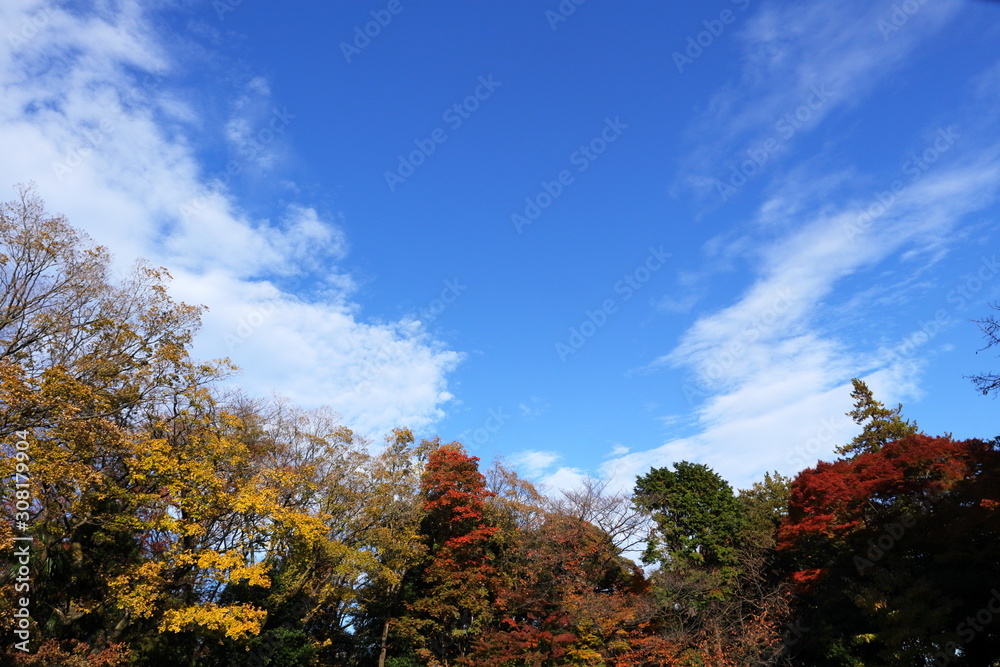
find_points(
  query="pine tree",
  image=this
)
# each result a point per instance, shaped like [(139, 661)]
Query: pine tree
[(879, 424)]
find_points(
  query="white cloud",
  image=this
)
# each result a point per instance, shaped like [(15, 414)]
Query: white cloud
[(619, 450), (563, 479), (533, 408), (678, 304), (256, 128), (770, 382), (767, 375), (800, 63), (90, 114), (533, 463)]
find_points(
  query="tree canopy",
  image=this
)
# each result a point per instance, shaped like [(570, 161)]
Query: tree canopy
[(153, 516)]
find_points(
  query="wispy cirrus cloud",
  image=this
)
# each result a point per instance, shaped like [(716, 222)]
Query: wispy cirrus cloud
[(767, 375), (799, 64), (769, 368)]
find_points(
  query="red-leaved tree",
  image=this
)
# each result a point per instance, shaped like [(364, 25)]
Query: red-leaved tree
[(893, 551), (455, 591)]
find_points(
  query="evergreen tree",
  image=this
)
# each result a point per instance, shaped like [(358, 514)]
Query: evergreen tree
[(879, 424)]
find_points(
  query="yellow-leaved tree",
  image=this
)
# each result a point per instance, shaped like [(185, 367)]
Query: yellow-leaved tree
[(146, 498)]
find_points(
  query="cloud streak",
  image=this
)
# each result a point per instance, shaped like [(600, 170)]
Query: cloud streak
[(800, 64), (767, 375)]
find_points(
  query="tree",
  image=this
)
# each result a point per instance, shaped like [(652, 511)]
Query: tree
[(613, 513), (721, 594), (81, 360), (318, 471), (514, 504), (569, 598), (695, 541), (697, 517), (765, 506), (453, 593), (149, 500), (988, 383), (879, 424), (889, 552), (210, 519), (756, 613), (65, 326), (392, 513)]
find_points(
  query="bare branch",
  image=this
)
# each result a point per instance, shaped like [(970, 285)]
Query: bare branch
[(988, 383)]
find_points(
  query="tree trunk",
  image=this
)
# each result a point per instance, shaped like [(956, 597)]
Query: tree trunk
[(385, 636)]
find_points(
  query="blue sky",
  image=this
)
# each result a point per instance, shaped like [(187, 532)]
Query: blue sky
[(590, 238)]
